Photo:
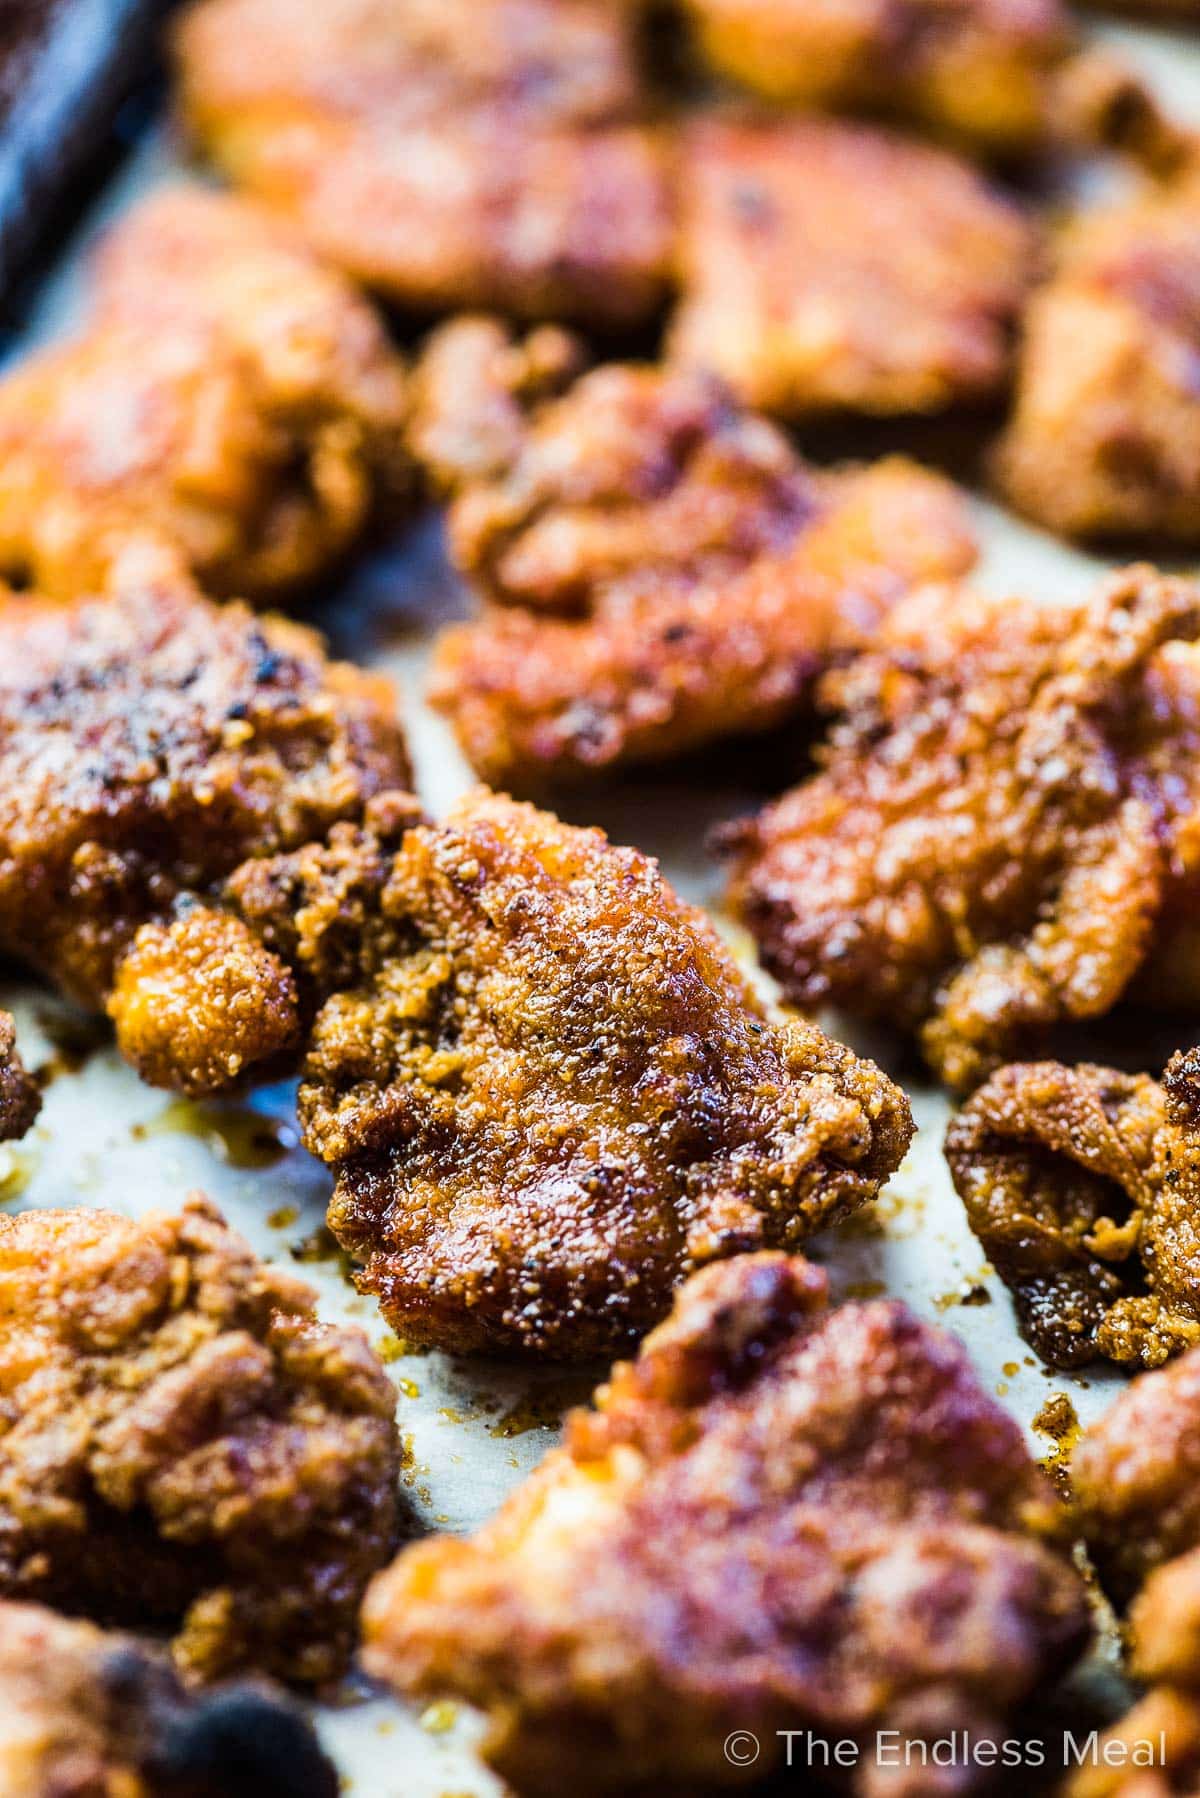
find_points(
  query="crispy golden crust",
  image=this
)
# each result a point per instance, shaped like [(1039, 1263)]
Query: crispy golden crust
[(1083, 1185), (1163, 1636), (230, 987), (1152, 1752), (1003, 832), (457, 155), (829, 267), (90, 1715), (1136, 1491), (150, 741), (1164, 1617), (637, 468), (183, 1443), (547, 1092), (472, 393), (777, 1517), (1105, 435), (573, 59), (229, 393), (20, 1100), (706, 574), (978, 70), (999, 76), (1134, 1476), (667, 662), (199, 1003)]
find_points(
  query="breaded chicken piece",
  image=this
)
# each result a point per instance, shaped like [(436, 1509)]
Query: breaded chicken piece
[(20, 1100), (544, 1087), (829, 267), (635, 468), (1151, 1752), (464, 153), (1104, 439), (183, 1444), (777, 1517), (1134, 1479), (665, 663), (554, 1094), (472, 393), (1083, 1186), (1004, 833), (150, 741), (228, 392), (707, 572), (1002, 77), (1154, 1750), (91, 1715)]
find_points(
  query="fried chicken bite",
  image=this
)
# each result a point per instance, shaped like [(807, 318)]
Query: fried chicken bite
[(229, 392), (20, 1100), (91, 1715), (150, 742), (544, 1087), (664, 663), (1133, 1476), (553, 1094), (1082, 1185), (1134, 1479), (635, 468), (1104, 439), (701, 575), (1003, 833), (473, 391), (1002, 77), (183, 1443), (472, 154), (776, 1517), (1154, 1750), (829, 267)]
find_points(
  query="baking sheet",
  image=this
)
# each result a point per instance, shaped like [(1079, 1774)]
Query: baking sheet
[(474, 1430)]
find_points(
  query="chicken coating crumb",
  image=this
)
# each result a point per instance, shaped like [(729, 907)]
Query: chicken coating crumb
[(1004, 832), (183, 1443), (449, 153), (20, 1100), (1001, 77), (544, 1087), (91, 1715), (709, 575), (1082, 1185), (472, 393), (1104, 440), (777, 1517), (228, 392), (151, 741), (828, 267)]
